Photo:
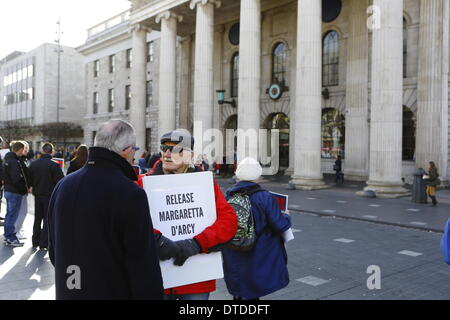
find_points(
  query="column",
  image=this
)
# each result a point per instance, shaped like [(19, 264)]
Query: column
[(203, 74), (218, 73), (432, 95), (308, 108), (185, 79), (385, 168), (138, 84), (167, 71), (356, 120), (249, 79)]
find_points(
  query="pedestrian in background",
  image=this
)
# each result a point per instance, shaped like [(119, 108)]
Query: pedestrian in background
[(24, 166), (81, 156), (1, 181), (15, 189), (45, 174), (433, 181), (262, 270), (339, 176), (99, 221)]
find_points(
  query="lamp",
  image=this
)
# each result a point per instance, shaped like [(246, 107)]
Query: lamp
[(221, 98)]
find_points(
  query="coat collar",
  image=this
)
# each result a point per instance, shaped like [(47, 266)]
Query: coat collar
[(101, 157)]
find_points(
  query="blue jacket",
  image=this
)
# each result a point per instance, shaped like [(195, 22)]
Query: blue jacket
[(262, 270), (445, 243), (99, 220)]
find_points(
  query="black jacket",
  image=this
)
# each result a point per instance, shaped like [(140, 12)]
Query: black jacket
[(13, 175), (99, 220), (45, 174)]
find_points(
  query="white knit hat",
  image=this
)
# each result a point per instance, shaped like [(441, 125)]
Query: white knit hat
[(248, 170)]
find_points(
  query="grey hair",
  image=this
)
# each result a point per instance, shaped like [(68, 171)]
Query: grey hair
[(115, 135)]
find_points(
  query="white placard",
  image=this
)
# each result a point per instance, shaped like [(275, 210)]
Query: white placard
[(3, 153), (182, 206)]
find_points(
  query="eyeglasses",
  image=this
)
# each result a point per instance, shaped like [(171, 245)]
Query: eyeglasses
[(173, 149), (134, 148)]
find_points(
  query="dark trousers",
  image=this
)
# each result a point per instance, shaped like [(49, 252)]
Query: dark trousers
[(40, 233)]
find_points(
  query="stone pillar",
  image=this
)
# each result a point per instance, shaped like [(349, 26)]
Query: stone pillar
[(356, 120), (249, 79), (167, 72), (138, 84), (308, 108), (203, 74), (218, 74), (385, 168), (432, 95), (185, 80)]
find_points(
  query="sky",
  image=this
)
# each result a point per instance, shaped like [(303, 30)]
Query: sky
[(26, 24)]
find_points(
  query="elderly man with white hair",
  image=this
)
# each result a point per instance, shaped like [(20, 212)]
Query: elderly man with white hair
[(100, 232)]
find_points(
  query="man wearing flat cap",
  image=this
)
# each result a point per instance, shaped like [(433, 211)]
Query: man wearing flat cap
[(177, 158)]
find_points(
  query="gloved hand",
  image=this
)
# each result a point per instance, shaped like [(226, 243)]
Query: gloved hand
[(166, 248), (188, 248)]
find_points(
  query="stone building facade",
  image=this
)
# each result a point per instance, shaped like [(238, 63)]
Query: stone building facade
[(108, 63), (367, 80)]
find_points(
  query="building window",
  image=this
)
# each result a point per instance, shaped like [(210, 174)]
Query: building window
[(150, 51), (409, 134), (279, 63), (235, 75), (30, 70), (95, 103), (333, 133), (127, 97), (405, 47), (330, 59), (112, 63), (149, 101), (96, 68), (129, 58), (110, 100)]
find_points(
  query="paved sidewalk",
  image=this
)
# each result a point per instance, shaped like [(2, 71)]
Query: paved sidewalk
[(342, 201)]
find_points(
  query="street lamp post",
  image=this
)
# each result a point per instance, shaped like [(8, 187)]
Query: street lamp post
[(58, 83)]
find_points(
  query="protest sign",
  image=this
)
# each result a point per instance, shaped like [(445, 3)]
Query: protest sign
[(59, 161), (3, 153), (182, 206), (282, 200)]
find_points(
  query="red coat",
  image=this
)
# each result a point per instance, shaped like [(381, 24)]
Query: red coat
[(220, 232)]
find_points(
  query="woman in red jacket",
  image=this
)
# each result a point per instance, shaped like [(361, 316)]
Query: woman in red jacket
[(176, 146)]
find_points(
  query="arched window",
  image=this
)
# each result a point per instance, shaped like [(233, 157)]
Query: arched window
[(333, 133), (405, 47), (330, 59), (279, 63), (281, 122), (235, 75), (409, 134)]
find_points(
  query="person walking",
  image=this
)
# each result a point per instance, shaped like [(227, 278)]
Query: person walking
[(81, 156), (15, 189), (339, 176), (99, 225), (433, 181), (45, 174), (177, 158), (262, 269)]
